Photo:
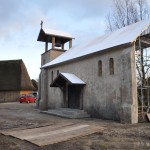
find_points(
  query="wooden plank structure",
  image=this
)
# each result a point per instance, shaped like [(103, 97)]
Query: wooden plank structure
[(148, 116), (54, 134), (142, 64)]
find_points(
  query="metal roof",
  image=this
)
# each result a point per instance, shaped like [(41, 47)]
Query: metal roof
[(46, 35), (62, 78), (123, 36)]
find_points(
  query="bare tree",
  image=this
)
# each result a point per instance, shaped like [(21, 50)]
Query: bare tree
[(126, 12), (143, 10)]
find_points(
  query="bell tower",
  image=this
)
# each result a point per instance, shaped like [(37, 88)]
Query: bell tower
[(57, 39)]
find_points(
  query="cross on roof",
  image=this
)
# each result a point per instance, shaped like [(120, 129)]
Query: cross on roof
[(41, 23)]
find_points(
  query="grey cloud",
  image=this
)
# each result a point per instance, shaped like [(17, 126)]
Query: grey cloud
[(16, 15), (19, 14), (9, 9), (78, 9)]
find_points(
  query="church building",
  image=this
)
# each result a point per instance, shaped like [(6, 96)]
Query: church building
[(98, 76)]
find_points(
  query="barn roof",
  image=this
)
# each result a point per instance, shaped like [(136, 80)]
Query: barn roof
[(123, 36), (14, 76)]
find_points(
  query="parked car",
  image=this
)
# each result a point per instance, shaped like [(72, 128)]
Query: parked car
[(28, 98)]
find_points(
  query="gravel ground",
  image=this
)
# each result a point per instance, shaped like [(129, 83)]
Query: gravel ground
[(117, 136)]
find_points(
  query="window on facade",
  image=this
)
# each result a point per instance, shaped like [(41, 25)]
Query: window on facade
[(111, 66), (99, 68), (57, 72), (52, 74)]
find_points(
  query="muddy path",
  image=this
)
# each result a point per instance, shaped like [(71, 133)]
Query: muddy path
[(14, 116)]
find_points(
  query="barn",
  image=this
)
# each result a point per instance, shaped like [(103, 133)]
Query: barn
[(14, 80)]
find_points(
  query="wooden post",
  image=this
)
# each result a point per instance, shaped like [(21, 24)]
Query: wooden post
[(70, 43), (62, 47), (53, 42), (81, 98), (66, 95), (46, 46)]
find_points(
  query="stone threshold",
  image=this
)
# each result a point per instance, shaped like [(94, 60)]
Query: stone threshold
[(67, 113)]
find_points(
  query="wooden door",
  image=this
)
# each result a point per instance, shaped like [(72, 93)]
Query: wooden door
[(74, 93)]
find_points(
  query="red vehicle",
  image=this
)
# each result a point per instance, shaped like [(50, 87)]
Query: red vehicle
[(28, 98)]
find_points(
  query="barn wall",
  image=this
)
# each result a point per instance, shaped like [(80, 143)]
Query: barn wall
[(108, 96), (26, 92), (9, 96)]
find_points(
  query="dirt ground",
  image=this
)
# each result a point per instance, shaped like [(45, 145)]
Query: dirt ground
[(117, 136)]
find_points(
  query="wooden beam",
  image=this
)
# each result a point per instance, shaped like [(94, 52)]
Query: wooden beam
[(66, 95), (62, 47), (53, 42), (145, 41), (70, 43), (46, 46)]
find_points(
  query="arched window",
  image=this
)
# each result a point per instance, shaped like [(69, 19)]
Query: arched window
[(111, 66), (52, 76), (57, 72), (99, 68)]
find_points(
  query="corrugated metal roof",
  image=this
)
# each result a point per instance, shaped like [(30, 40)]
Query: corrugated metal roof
[(122, 36)]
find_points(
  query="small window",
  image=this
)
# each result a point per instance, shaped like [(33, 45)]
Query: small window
[(111, 66), (52, 76), (57, 72), (99, 68)]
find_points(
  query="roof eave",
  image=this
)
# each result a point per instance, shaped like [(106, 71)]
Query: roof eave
[(61, 76), (91, 54), (43, 36)]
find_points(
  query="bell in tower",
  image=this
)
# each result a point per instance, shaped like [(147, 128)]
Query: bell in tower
[(58, 43), (57, 39)]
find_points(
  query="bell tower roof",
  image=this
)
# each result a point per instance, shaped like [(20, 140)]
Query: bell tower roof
[(57, 40), (46, 35)]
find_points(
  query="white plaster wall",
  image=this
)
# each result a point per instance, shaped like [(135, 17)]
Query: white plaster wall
[(102, 96)]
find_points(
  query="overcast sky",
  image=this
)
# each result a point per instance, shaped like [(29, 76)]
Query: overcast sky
[(20, 25)]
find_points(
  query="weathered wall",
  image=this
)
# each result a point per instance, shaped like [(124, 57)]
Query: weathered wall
[(44, 77), (50, 55), (129, 104), (107, 96), (9, 96), (43, 98)]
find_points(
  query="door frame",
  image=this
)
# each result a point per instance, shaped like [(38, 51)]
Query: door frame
[(66, 96)]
